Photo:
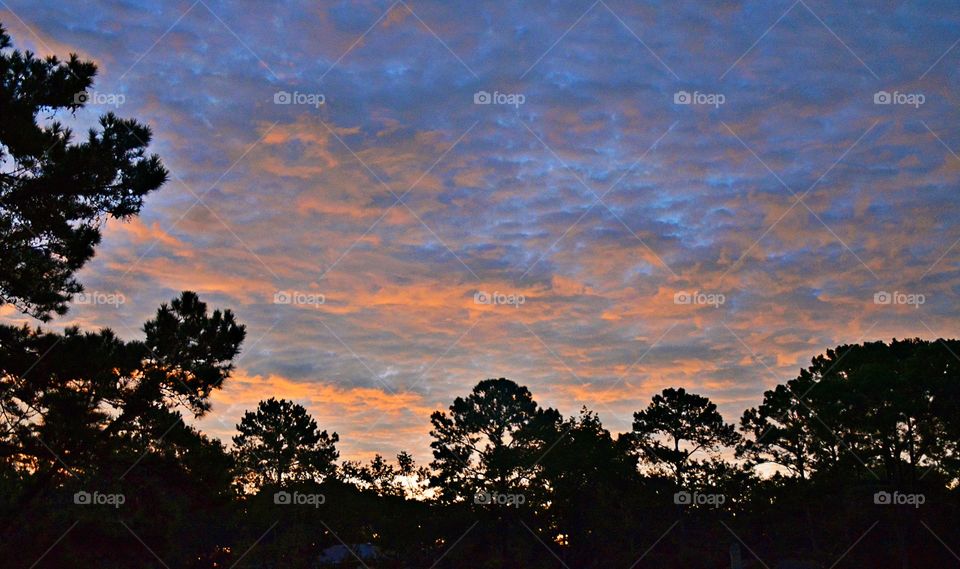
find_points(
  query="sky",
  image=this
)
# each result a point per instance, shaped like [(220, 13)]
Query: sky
[(596, 200)]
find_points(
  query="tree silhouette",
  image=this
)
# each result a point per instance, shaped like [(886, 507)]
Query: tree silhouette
[(587, 501), (589, 477), (889, 408), (280, 442), (89, 386), (56, 193), (97, 399), (490, 441), (193, 349), (781, 430), (690, 423), (385, 479)]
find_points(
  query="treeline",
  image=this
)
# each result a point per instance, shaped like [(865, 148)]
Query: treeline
[(852, 464)]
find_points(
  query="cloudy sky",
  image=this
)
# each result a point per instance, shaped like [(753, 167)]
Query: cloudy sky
[(598, 200)]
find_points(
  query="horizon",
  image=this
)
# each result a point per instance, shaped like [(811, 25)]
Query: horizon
[(603, 203)]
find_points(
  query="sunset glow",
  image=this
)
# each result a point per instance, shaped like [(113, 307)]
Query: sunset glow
[(597, 201)]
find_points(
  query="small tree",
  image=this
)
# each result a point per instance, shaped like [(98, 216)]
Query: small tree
[(385, 479), (690, 424), (280, 442)]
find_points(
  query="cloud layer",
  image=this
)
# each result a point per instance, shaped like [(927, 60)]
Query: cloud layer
[(679, 194)]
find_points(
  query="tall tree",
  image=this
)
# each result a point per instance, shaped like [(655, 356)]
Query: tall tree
[(888, 407), (55, 193), (491, 440), (191, 352), (781, 430), (78, 389), (76, 401), (591, 480), (280, 442), (691, 425)]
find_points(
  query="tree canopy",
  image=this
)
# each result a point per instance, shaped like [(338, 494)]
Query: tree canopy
[(55, 193), (280, 442), (676, 427), (490, 440)]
